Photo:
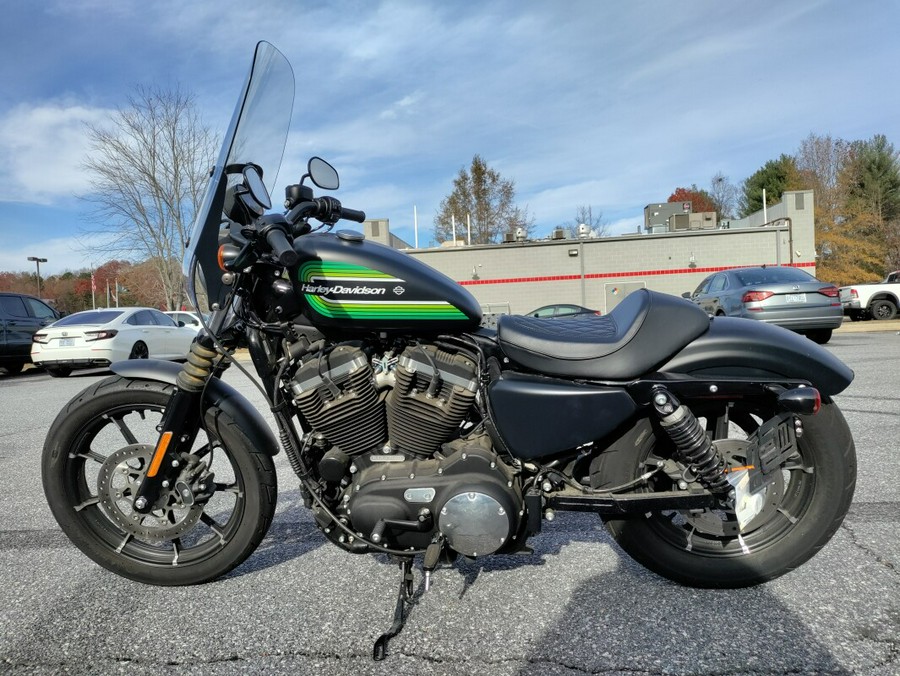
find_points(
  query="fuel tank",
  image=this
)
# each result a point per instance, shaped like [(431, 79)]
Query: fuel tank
[(346, 281)]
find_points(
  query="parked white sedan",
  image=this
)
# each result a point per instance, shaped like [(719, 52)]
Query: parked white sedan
[(100, 337)]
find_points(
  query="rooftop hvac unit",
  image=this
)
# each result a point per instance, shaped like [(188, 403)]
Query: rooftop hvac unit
[(558, 233), (584, 230), (509, 237)]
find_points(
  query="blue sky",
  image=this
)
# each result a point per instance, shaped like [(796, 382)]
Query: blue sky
[(611, 105)]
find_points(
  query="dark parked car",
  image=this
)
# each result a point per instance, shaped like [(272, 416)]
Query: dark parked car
[(20, 317), (562, 310), (784, 296)]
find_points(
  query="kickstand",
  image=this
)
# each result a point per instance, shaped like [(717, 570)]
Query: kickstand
[(403, 598)]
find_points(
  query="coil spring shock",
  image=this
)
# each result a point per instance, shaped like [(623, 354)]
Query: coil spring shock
[(691, 441), (196, 370)]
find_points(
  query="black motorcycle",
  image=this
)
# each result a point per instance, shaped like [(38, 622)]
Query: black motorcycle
[(711, 447)]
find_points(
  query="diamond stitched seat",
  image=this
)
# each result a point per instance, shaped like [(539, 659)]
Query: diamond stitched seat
[(641, 333)]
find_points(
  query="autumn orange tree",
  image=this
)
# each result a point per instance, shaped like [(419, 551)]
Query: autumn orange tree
[(701, 201), (857, 197)]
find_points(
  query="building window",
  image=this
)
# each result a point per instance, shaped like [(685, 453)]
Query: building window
[(798, 201)]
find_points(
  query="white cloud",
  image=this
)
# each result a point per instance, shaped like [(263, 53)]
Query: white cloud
[(61, 253), (45, 145)]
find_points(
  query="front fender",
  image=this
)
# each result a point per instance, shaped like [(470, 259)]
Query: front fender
[(218, 393), (749, 348)]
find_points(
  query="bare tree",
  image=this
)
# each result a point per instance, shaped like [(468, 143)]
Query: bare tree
[(484, 198), (584, 215), (724, 195), (149, 169)]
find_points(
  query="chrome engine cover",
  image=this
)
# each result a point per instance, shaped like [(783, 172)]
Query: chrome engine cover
[(475, 524)]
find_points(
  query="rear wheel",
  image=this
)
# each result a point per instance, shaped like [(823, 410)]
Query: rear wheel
[(13, 368), (139, 351), (820, 336), (707, 548), (95, 456), (882, 309)]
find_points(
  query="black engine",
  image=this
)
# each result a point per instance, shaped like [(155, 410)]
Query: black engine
[(386, 431)]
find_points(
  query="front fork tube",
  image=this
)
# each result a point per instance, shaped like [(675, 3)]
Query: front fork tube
[(180, 423), (177, 431)]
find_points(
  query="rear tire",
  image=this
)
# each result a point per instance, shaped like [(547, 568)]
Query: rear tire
[(882, 309), (139, 351), (13, 368), (818, 488), (820, 336), (98, 448)]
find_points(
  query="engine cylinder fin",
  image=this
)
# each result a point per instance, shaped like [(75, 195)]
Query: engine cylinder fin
[(353, 420), (421, 416)]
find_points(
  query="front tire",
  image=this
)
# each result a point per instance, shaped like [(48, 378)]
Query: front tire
[(818, 486), (96, 453)]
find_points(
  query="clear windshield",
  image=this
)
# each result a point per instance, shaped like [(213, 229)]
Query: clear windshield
[(257, 134)]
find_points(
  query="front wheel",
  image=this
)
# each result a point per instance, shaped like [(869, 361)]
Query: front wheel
[(97, 452), (706, 548)]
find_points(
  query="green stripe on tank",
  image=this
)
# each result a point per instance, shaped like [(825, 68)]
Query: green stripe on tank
[(327, 269), (385, 310)]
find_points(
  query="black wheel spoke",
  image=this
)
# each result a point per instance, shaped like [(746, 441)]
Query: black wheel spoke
[(87, 503), (214, 526), (203, 451), (92, 455), (119, 422), (228, 488)]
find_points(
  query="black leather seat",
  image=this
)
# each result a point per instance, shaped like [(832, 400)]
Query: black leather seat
[(641, 333)]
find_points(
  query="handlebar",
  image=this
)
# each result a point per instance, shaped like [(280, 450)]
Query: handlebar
[(281, 247), (353, 215), (326, 209)]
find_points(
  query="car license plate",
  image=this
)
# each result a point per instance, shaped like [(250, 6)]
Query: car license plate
[(795, 298), (66, 342)]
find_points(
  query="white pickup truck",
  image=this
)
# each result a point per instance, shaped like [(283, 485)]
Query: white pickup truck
[(876, 301)]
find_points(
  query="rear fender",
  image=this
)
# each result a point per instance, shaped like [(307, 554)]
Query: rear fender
[(218, 393), (746, 348)]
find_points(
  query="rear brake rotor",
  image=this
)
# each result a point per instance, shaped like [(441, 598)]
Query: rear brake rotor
[(722, 522), (118, 481)]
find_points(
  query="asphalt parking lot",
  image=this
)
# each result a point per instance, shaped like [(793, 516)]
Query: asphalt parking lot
[(576, 606)]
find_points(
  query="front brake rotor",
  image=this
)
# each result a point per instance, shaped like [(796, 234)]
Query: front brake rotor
[(117, 483)]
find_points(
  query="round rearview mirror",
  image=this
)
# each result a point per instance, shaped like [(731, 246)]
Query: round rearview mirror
[(323, 174)]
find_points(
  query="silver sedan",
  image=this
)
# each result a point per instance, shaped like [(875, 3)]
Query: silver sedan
[(780, 295)]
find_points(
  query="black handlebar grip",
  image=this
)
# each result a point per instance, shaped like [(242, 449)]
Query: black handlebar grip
[(281, 247), (353, 215)]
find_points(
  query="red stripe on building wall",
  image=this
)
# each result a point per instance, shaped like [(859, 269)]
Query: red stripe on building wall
[(609, 275)]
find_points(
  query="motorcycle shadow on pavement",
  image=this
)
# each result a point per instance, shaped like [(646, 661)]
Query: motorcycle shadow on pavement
[(631, 621)]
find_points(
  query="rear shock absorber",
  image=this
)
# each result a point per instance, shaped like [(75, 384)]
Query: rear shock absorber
[(691, 441)]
